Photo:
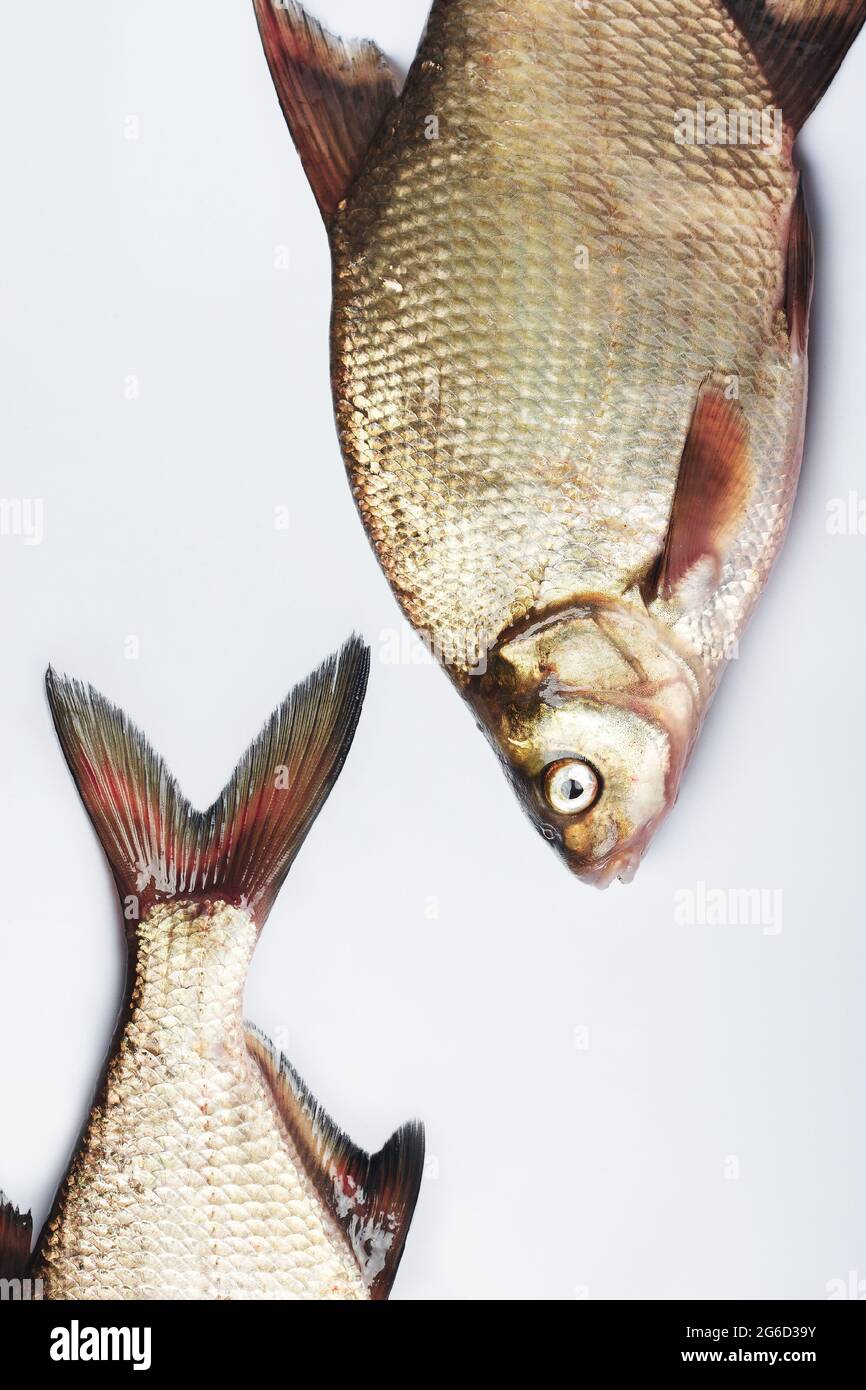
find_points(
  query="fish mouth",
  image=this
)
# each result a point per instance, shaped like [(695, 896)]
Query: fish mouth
[(622, 865)]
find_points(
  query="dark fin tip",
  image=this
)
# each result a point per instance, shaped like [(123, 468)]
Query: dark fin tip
[(241, 849), (800, 274), (16, 1231), (334, 95), (800, 45), (371, 1197)]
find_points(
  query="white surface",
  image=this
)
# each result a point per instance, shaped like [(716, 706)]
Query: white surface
[(561, 1170)]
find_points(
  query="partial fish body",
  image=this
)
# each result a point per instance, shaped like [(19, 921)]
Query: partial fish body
[(207, 1170), (572, 279)]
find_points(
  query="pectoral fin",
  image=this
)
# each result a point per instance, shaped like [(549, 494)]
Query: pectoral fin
[(333, 94), (712, 489), (16, 1229), (800, 273), (799, 45), (371, 1197)]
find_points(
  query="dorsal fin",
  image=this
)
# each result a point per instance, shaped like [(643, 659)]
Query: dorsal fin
[(333, 94), (712, 488), (799, 45), (800, 274), (371, 1197), (16, 1230), (240, 849)]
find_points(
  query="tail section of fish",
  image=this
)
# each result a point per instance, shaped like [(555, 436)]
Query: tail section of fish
[(196, 888), (160, 849)]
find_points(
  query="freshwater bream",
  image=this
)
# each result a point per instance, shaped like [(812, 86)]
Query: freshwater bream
[(206, 1169), (572, 271)]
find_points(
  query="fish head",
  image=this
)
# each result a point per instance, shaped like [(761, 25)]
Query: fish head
[(593, 713)]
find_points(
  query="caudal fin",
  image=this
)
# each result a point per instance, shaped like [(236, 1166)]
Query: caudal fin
[(371, 1197), (240, 849), (800, 45)]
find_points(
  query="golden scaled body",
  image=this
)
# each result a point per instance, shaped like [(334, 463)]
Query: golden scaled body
[(572, 277), (527, 302), (187, 1183)]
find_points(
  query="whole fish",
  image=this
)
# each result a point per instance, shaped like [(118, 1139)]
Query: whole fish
[(572, 278), (207, 1170)]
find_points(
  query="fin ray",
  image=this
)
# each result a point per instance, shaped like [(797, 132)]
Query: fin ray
[(333, 95), (158, 846), (800, 45), (16, 1231), (712, 488), (371, 1197), (800, 274)]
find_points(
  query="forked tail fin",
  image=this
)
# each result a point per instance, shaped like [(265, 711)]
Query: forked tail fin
[(241, 849)]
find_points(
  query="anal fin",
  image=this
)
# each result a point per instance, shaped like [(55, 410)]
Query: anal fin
[(16, 1231), (713, 486), (800, 45), (372, 1197), (333, 94)]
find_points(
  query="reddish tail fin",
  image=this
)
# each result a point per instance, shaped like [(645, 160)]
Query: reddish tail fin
[(334, 95), (158, 846)]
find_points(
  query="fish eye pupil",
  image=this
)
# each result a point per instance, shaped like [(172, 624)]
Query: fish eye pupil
[(571, 786)]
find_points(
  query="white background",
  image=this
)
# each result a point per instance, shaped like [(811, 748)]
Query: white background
[(428, 954)]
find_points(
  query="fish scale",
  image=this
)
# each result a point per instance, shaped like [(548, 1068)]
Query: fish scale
[(207, 1169), (564, 395), (186, 1125), (572, 279)]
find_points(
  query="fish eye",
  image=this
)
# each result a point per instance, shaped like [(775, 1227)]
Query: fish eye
[(571, 786)]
